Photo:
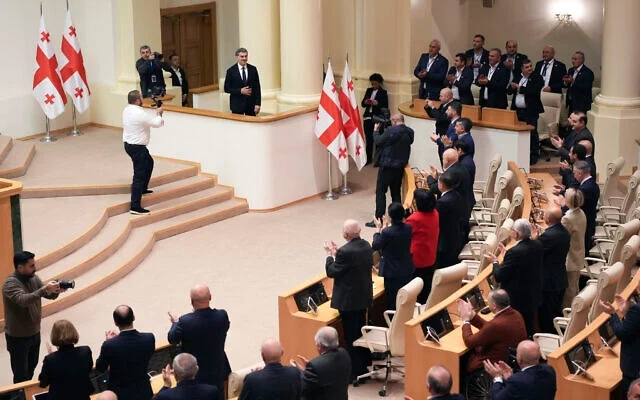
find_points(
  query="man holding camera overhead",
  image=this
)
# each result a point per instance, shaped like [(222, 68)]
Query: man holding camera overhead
[(149, 68), (22, 294)]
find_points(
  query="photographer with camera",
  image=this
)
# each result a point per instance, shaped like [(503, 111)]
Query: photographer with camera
[(393, 147), (149, 68), (22, 294)]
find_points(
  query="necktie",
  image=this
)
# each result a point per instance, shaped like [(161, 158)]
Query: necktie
[(544, 70), (244, 75)]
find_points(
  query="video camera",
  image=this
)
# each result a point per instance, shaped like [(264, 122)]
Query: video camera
[(155, 97), (64, 284), (384, 119)]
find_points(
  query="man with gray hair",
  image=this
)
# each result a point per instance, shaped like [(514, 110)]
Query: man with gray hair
[(243, 85), (520, 273), (431, 70), (185, 368), (150, 71), (634, 390), (439, 382), (326, 377), (350, 267)]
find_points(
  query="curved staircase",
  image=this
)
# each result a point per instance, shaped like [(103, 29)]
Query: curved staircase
[(15, 157)]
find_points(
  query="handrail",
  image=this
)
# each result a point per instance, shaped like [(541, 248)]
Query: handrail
[(9, 187), (238, 117)]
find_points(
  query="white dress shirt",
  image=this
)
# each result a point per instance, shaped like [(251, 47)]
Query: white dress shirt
[(520, 100), (177, 71), (137, 123), (454, 88), (547, 73), (492, 69), (246, 71)]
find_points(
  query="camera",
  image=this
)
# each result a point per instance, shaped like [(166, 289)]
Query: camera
[(384, 119), (64, 284), (156, 101)]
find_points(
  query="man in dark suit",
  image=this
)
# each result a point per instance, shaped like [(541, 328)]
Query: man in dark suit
[(126, 355), (274, 381), (579, 80), (513, 60), (463, 134), (461, 181), (451, 210), (579, 131), (551, 70), (493, 79), (495, 337), (628, 331), (535, 381), (150, 71), (459, 79), (203, 333), (431, 70), (446, 116), (520, 273), (477, 56), (350, 268), (326, 377), (527, 104), (185, 369), (439, 383), (243, 85), (555, 241), (464, 158), (178, 76)]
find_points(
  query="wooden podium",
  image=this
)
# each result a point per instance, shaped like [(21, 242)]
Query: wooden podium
[(10, 229)]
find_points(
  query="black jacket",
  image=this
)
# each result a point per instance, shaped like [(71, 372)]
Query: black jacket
[(327, 376), (497, 87), (433, 82), (175, 81), (463, 185), (451, 210), (393, 146), (531, 94), (189, 390), (517, 65), (440, 115), (520, 274), (127, 358), (351, 273), (151, 78), (534, 383), (239, 103), (202, 333), (628, 331), (463, 84), (484, 59), (591, 192), (558, 71), (394, 244), (272, 382), (573, 138), (66, 371), (555, 241), (381, 97), (579, 95)]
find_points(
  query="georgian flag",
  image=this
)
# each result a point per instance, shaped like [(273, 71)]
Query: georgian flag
[(47, 87), (351, 120), (74, 77)]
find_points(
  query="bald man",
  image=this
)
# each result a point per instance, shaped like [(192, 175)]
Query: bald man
[(551, 71), (203, 333), (431, 70), (126, 355), (107, 395), (513, 60), (439, 383), (350, 267), (556, 241), (535, 381), (274, 381), (588, 146)]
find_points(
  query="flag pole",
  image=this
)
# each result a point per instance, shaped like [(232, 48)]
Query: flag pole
[(47, 137), (345, 190), (330, 195), (75, 131)]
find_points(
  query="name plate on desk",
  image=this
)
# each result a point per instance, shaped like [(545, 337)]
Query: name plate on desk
[(310, 298), (580, 358), (439, 323)]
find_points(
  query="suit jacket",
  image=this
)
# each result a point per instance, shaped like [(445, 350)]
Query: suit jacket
[(233, 83), (592, 163), (273, 382), (576, 224), (496, 87), (450, 133), (469, 140), (433, 82), (494, 338), (189, 390), (531, 94), (518, 59), (327, 376), (520, 274), (470, 165), (591, 192), (628, 331), (451, 210), (394, 244), (351, 273), (203, 333), (558, 70), (573, 138), (463, 84), (579, 95), (484, 59), (440, 115), (464, 187), (381, 97), (175, 81), (534, 383), (151, 78), (127, 358), (66, 371), (449, 396), (393, 146), (555, 241)]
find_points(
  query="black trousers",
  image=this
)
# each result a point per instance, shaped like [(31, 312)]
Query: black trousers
[(426, 274), (531, 118), (550, 308), (24, 354), (528, 314), (447, 258), (367, 124), (388, 178), (352, 322), (142, 169), (391, 287)]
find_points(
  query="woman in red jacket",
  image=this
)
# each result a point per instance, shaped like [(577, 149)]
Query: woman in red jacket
[(425, 228)]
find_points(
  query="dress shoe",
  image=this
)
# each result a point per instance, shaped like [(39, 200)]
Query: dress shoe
[(147, 192), (371, 224)]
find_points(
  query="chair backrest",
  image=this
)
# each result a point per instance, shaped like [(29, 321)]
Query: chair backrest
[(517, 198), (620, 238), (503, 189), (580, 307), (405, 306), (490, 185), (502, 212), (445, 282), (550, 118), (635, 212), (628, 258), (607, 284), (504, 233), (631, 198), (489, 246), (610, 187)]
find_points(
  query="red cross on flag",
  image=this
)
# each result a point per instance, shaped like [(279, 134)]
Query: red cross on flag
[(351, 120), (74, 77), (329, 122), (47, 87)]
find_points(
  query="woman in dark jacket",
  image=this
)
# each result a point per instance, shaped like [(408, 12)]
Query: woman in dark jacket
[(374, 101), (66, 371)]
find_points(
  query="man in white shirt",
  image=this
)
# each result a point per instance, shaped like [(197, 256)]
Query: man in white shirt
[(136, 131)]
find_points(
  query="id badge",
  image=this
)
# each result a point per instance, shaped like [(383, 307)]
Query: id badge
[(154, 79)]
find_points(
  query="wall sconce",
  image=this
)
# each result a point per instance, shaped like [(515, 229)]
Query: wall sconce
[(565, 19)]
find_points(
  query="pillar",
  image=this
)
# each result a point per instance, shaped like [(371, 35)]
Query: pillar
[(301, 51), (259, 32), (615, 115)]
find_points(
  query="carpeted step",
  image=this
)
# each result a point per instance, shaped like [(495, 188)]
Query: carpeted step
[(6, 142), (17, 160)]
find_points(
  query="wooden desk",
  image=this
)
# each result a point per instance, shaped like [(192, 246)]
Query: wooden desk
[(297, 328)]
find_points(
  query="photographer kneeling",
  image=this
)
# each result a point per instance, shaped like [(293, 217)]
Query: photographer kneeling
[(393, 147)]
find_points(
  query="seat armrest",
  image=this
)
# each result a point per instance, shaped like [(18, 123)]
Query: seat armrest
[(388, 313), (368, 328)]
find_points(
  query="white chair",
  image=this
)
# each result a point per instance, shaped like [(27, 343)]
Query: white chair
[(504, 182), (608, 251), (486, 189), (606, 288), (390, 340), (617, 209), (445, 282), (610, 187), (549, 119), (480, 262), (517, 199), (628, 258), (488, 221)]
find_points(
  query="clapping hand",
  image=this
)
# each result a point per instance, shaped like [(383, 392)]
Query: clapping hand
[(331, 248), (110, 334), (434, 137), (166, 375), (465, 310), (515, 86), (433, 172), (560, 201), (499, 369), (564, 165), (623, 304), (172, 317), (556, 141), (446, 141), (607, 307), (301, 364)]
